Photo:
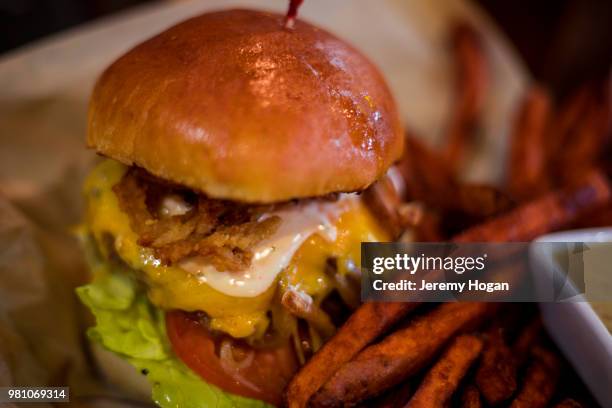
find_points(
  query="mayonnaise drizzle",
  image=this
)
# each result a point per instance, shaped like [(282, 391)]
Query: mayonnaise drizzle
[(272, 255)]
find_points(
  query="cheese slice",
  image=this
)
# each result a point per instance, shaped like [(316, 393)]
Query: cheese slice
[(270, 257)]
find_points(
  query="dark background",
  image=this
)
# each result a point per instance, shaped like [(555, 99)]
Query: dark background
[(564, 42)]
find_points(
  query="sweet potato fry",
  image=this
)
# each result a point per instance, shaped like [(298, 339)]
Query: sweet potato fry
[(585, 143), (527, 163), (561, 206), (366, 324), (599, 217), (472, 80), (426, 174), (567, 116), (525, 341), (540, 381), (470, 397), (552, 211), (607, 113), (398, 396), (481, 200), (428, 179), (399, 355), (443, 379), (496, 373), (564, 120), (569, 403)]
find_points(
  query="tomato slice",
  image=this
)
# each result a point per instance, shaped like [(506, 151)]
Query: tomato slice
[(228, 363)]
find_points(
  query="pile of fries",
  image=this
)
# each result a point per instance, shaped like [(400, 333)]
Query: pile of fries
[(465, 353)]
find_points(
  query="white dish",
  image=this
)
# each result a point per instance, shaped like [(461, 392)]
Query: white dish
[(573, 324)]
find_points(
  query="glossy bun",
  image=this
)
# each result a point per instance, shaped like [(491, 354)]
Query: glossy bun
[(234, 105)]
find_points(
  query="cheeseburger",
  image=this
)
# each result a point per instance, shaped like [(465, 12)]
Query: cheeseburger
[(224, 225)]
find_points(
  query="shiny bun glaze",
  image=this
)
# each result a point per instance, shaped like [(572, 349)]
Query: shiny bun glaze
[(234, 105)]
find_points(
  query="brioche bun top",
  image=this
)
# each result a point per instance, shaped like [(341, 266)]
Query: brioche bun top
[(236, 106)]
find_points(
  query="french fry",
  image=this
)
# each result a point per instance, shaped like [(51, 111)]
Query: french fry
[(481, 200), (428, 179), (426, 174), (569, 403), (496, 373), (470, 397), (525, 341), (540, 381), (559, 209), (527, 163), (472, 79), (607, 114), (395, 397), (399, 355), (511, 272), (443, 379), (563, 122), (550, 212), (600, 217), (568, 115), (366, 324), (584, 146), (351, 368)]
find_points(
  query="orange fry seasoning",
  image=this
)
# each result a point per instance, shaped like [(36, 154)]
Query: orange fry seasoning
[(470, 398), (444, 377), (429, 179), (400, 354), (481, 200), (552, 211), (539, 382), (562, 125), (472, 85), (427, 175), (527, 163), (567, 116), (525, 341), (569, 403), (584, 145), (600, 217), (367, 323), (496, 373), (396, 397)]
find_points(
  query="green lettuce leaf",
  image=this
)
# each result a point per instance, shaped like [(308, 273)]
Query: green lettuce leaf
[(127, 324)]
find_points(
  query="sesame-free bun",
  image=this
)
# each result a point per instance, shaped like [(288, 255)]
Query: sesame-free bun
[(235, 105)]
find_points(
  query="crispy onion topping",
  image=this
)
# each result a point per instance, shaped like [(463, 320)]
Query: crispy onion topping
[(178, 223)]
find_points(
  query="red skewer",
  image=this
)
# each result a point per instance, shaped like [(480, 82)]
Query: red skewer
[(292, 13)]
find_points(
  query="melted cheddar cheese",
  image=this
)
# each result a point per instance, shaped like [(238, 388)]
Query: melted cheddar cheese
[(171, 287)]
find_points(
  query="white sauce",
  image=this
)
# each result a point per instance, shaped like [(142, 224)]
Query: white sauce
[(273, 255), (173, 205)]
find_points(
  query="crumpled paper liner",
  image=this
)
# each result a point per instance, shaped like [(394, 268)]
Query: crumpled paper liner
[(42, 323)]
